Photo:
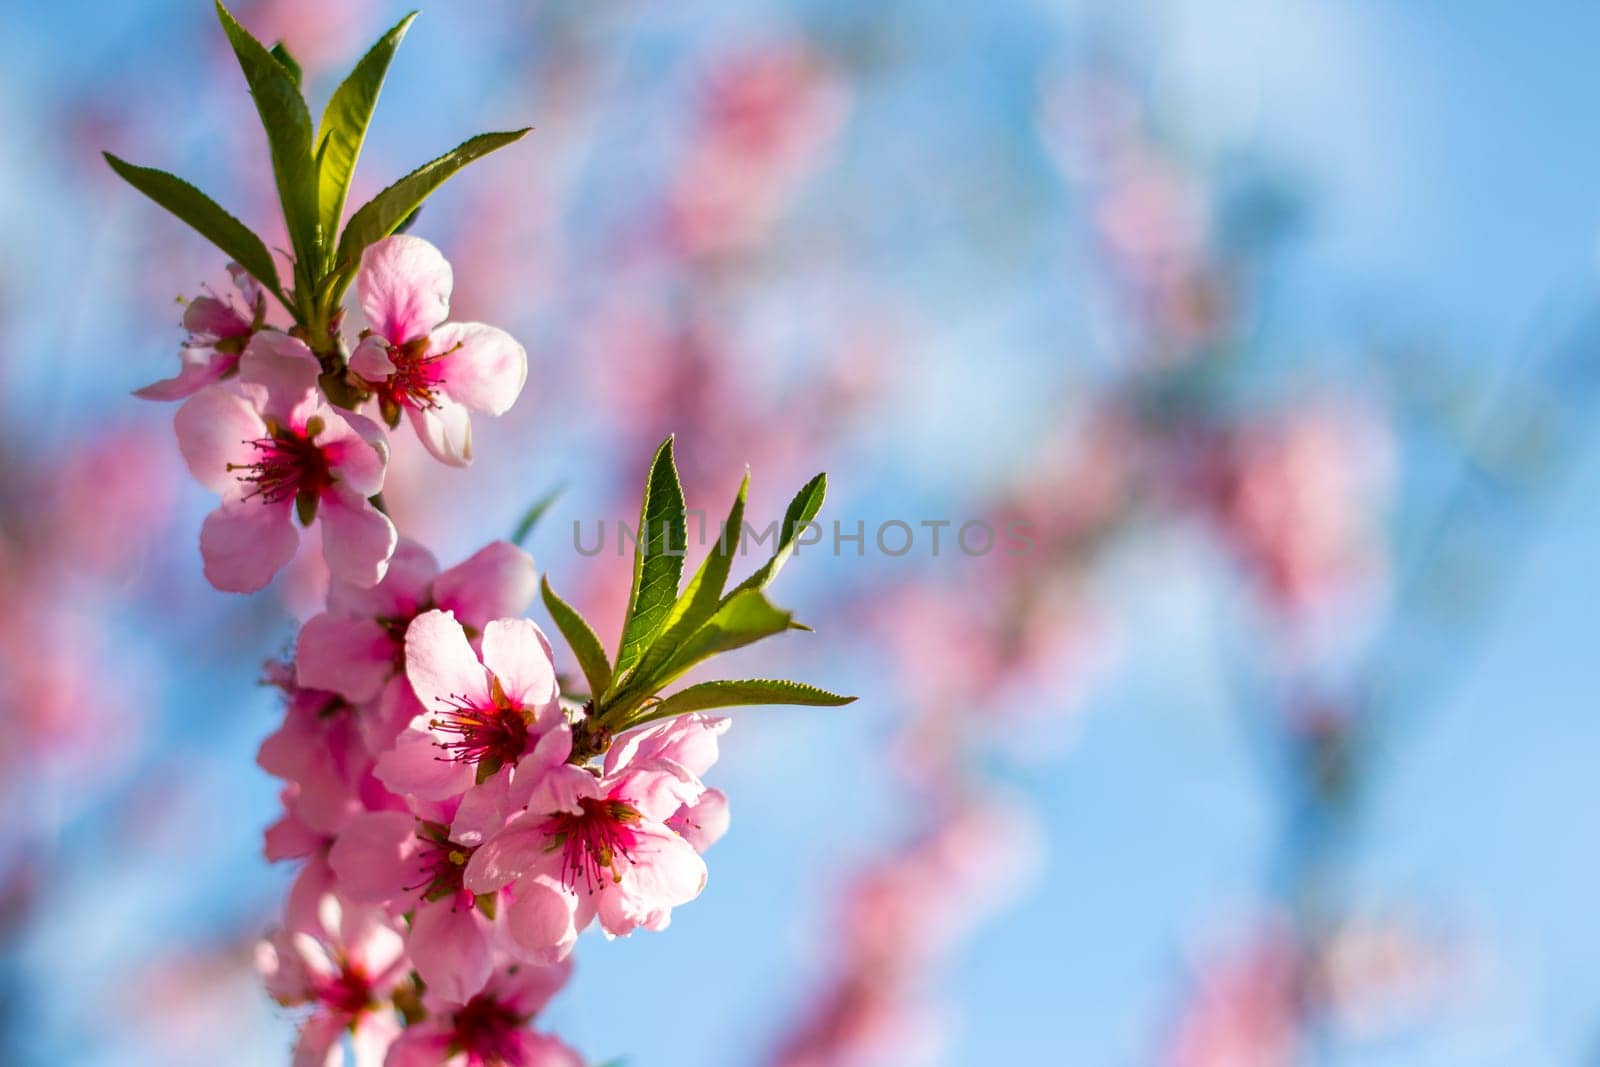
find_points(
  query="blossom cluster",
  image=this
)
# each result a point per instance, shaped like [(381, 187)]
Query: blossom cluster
[(458, 819), (257, 428), (453, 841)]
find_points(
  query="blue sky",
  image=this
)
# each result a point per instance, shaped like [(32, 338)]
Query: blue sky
[(1447, 157)]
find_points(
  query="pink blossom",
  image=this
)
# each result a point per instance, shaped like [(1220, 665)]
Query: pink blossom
[(489, 1029), (277, 451), (478, 716), (588, 846), (357, 647), (321, 750), (414, 361), (219, 328), (345, 966), (392, 858)]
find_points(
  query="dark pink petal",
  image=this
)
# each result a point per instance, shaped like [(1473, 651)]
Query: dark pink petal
[(382, 723), (245, 542), (210, 319), (450, 946), (528, 989), (319, 1042), (423, 1044), (496, 582), (351, 657), (542, 1050), (356, 448), (290, 839), (483, 367), (404, 284), (405, 587), (375, 857), (200, 367), (357, 538)]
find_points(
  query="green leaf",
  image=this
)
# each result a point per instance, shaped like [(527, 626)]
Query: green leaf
[(586, 647), (802, 509), (704, 591), (657, 558), (700, 597), (344, 128), (288, 125), (731, 694), (281, 53), (531, 517), (207, 218), (743, 619), (380, 216)]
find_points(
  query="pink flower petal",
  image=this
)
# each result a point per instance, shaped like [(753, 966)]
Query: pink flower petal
[(484, 810), (543, 918), (405, 587), (445, 430), (281, 370), (357, 538), (496, 582), (200, 367), (519, 655), (516, 851), (450, 946), (703, 823), (404, 284), (375, 857), (351, 657), (425, 1044), (356, 448), (416, 766), (441, 664), (370, 360), (245, 542), (371, 1038), (528, 989), (485, 367), (212, 319), (319, 1042), (289, 839), (214, 429)]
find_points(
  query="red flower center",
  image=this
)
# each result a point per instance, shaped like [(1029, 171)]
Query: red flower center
[(441, 864), (416, 377), (592, 840), (349, 992), (488, 1032), (287, 464), (495, 735)]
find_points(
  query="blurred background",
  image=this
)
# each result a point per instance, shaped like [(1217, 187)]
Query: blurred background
[(1273, 321)]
